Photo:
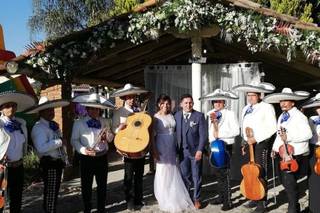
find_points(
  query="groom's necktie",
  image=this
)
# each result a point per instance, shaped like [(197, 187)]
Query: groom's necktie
[(186, 117)]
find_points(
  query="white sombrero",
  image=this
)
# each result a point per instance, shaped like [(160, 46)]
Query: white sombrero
[(313, 102), (128, 89), (44, 103), (286, 95), (219, 94), (256, 87), (94, 100), (23, 100)]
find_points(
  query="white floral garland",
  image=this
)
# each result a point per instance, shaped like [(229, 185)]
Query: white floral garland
[(257, 31)]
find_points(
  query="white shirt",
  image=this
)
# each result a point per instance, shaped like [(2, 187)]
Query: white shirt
[(85, 137), (262, 120), (298, 132), (17, 141), (228, 126), (120, 116), (45, 140), (315, 130)]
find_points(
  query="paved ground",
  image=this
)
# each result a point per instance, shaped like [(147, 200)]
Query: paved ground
[(70, 199)]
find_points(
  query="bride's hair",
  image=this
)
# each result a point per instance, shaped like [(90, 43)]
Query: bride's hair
[(161, 99)]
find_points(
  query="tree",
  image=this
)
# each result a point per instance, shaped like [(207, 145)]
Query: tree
[(60, 17), (305, 10)]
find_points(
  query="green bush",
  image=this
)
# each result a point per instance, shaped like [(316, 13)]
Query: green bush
[(31, 165)]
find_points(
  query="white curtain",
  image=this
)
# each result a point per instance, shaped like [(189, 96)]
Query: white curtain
[(175, 80), (225, 76)]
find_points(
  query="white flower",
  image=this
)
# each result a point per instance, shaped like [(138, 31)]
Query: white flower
[(192, 124)]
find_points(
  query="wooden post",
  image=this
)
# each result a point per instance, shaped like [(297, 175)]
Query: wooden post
[(67, 121)]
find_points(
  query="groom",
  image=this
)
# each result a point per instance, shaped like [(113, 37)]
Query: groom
[(191, 132)]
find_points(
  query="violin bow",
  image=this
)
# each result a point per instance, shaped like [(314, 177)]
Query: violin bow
[(274, 182)]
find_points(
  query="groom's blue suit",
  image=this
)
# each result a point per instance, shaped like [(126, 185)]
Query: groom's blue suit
[(192, 136)]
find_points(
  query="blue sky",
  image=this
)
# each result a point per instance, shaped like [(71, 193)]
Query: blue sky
[(14, 16)]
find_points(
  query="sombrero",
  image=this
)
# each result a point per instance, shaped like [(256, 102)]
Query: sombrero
[(44, 103), (23, 100), (128, 89), (256, 87), (219, 94), (313, 102), (286, 95), (94, 100)]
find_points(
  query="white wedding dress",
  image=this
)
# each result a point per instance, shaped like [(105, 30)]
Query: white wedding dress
[(169, 189)]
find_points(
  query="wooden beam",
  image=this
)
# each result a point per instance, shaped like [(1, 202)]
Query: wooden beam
[(126, 65), (247, 4), (294, 66), (157, 60), (96, 82), (133, 52)]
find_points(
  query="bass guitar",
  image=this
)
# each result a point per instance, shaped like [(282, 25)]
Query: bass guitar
[(317, 164), (252, 186)]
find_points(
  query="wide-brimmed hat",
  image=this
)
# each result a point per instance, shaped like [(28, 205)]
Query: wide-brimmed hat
[(286, 95), (44, 103), (255, 87), (94, 100), (23, 100), (219, 94), (313, 102), (128, 89)]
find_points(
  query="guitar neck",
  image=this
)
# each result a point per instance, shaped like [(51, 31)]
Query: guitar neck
[(251, 153)]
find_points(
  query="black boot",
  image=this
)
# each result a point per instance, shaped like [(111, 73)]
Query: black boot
[(252, 204), (217, 201), (261, 207)]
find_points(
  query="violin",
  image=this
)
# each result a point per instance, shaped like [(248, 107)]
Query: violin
[(288, 163), (252, 186), (317, 164)]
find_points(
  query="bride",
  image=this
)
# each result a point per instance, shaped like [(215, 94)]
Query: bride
[(169, 189)]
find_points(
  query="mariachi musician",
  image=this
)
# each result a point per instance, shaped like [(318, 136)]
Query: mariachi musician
[(223, 125), (89, 138), (314, 178), (261, 118), (47, 139), (13, 143), (292, 142), (133, 168)]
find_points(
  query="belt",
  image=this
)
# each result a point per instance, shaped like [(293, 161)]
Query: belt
[(47, 157), (15, 164)]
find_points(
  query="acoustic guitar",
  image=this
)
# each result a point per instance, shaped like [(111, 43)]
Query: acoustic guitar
[(252, 186), (133, 141)]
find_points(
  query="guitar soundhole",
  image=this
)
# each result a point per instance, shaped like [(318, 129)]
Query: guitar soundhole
[(137, 123)]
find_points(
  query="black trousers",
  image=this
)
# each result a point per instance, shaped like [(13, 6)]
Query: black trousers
[(223, 179), (261, 157), (133, 175), (51, 175), (98, 167), (289, 181), (15, 187)]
